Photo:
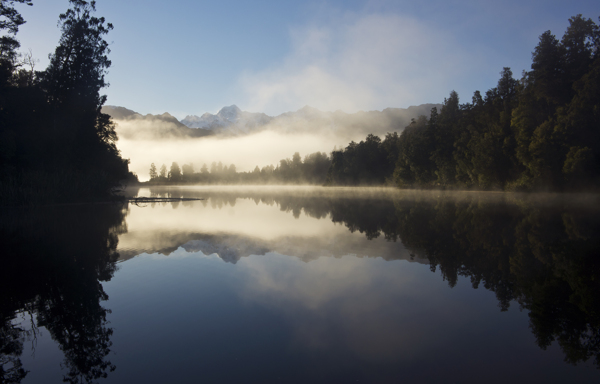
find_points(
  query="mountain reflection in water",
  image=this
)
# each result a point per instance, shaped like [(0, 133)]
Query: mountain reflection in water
[(318, 284)]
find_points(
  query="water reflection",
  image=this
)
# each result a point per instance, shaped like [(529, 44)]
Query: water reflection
[(544, 256), (54, 260), (319, 267), (537, 250)]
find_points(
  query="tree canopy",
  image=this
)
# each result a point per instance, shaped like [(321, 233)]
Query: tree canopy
[(54, 136), (537, 133)]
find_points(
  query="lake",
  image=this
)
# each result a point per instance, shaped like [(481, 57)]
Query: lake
[(303, 285)]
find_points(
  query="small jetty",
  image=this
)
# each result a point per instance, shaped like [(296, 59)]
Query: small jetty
[(145, 200)]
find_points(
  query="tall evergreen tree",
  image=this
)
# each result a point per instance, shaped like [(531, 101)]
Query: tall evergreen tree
[(153, 173), (10, 21), (175, 172), (53, 136), (443, 128), (73, 80)]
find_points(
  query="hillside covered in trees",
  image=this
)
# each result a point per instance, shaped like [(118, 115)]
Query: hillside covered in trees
[(539, 132), (55, 144)]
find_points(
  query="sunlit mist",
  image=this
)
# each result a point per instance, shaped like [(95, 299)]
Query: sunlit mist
[(247, 152)]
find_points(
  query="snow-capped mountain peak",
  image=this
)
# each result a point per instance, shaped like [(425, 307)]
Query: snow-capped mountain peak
[(229, 119), (231, 113)]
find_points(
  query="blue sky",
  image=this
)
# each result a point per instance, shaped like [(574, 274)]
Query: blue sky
[(190, 57)]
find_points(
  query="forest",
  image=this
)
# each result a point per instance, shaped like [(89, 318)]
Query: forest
[(55, 144), (310, 170), (540, 132)]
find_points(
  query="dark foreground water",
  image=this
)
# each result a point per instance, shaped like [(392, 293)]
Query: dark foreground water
[(297, 285)]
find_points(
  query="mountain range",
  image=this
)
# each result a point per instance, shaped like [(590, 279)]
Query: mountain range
[(232, 121), (228, 118), (133, 125)]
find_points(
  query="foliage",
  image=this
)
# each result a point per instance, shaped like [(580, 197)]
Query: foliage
[(10, 21), (51, 123), (175, 173), (369, 162), (312, 170), (540, 132)]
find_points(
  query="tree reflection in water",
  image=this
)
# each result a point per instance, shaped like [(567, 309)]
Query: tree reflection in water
[(539, 252), (543, 255), (54, 262)]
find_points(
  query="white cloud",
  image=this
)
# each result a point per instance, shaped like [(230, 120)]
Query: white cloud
[(360, 62)]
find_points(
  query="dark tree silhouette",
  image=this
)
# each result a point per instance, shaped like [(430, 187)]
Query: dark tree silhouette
[(55, 144), (10, 21), (537, 133)]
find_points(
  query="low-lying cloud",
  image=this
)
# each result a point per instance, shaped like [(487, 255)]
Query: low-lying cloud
[(161, 139), (246, 152), (359, 63), (353, 63)]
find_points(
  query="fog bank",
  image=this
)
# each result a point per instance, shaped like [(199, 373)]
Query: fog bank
[(246, 152)]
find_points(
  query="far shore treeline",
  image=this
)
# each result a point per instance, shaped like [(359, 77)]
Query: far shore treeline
[(312, 170), (541, 132), (55, 144)]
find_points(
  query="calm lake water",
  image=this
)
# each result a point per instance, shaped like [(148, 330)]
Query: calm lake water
[(303, 285)]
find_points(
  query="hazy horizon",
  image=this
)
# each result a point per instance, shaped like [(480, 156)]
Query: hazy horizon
[(183, 115), (158, 139)]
